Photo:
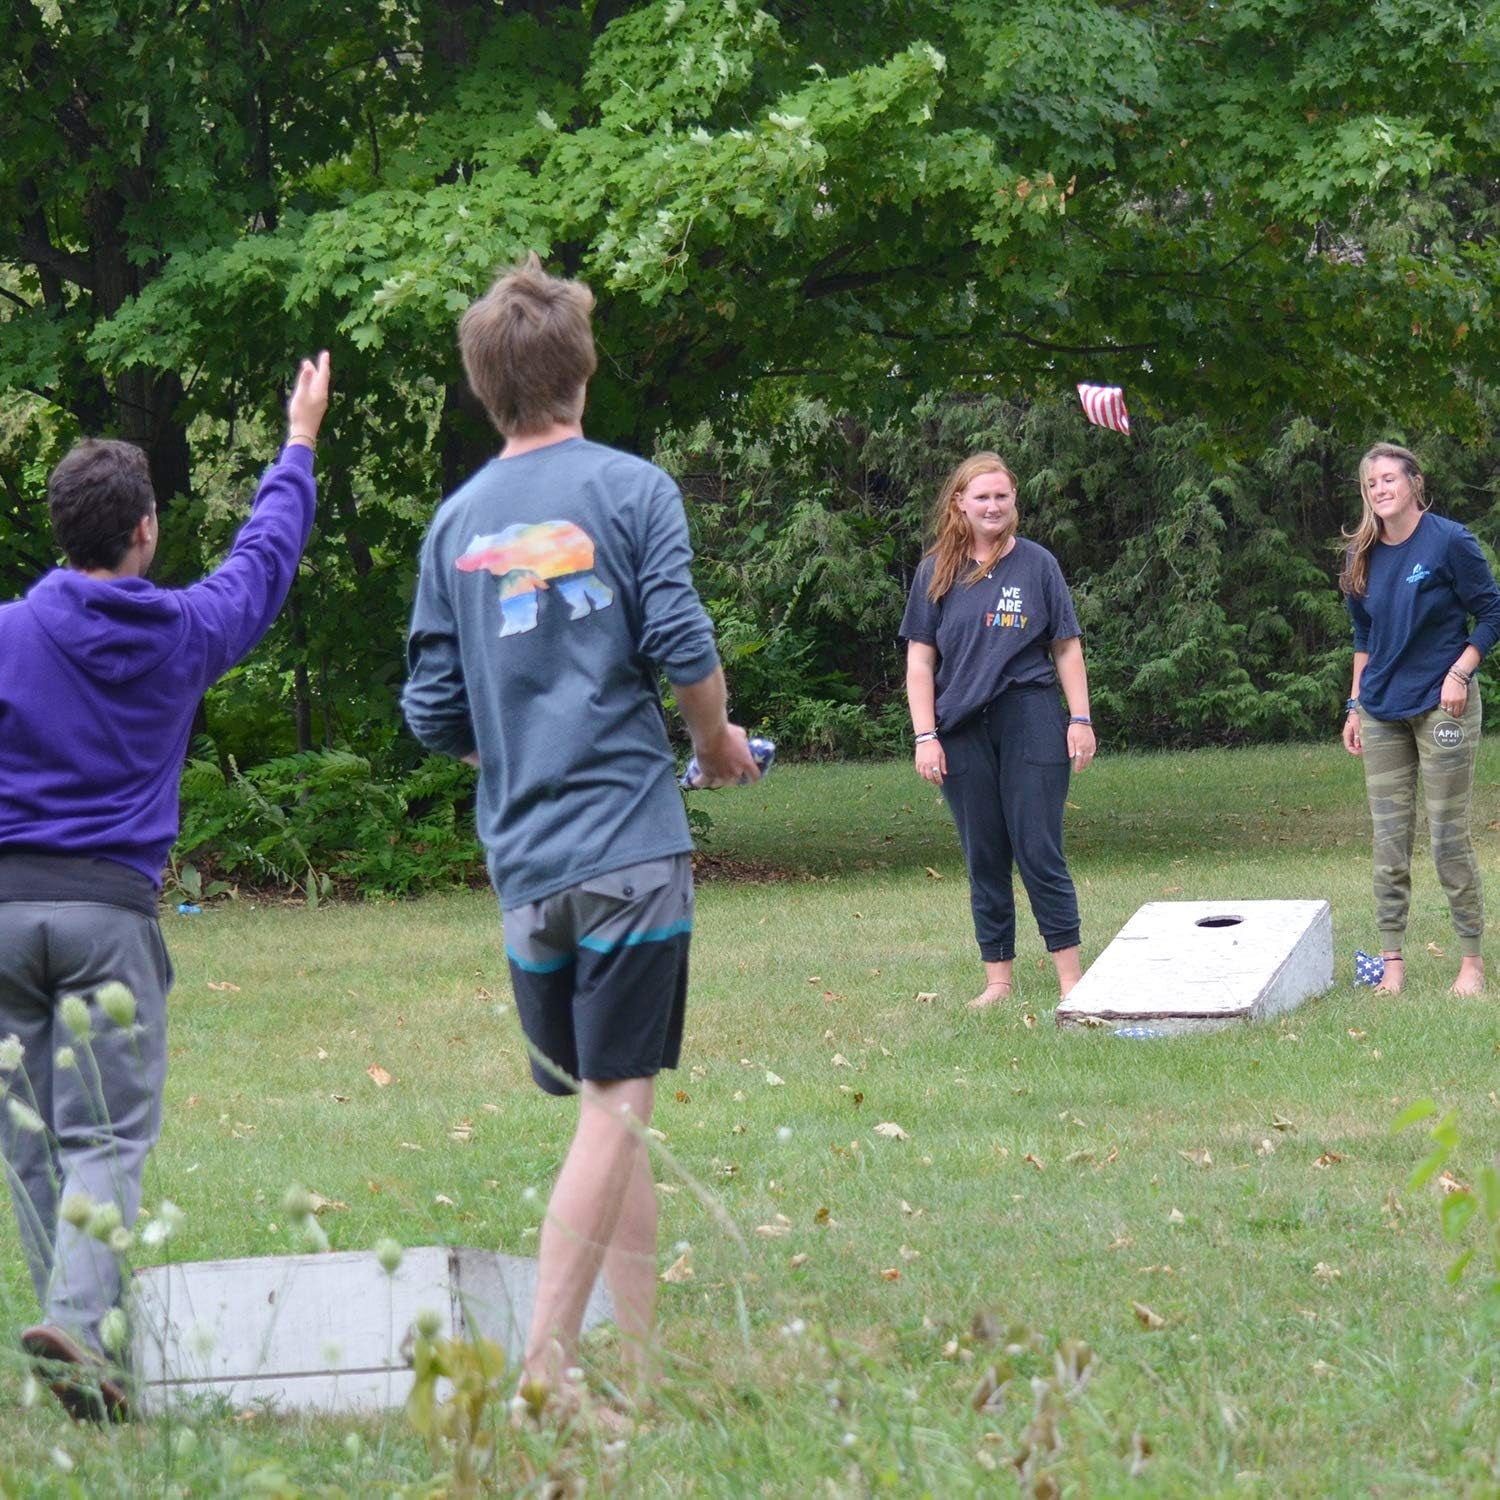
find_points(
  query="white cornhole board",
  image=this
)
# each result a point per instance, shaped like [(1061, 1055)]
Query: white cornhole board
[(320, 1331), (1197, 965)]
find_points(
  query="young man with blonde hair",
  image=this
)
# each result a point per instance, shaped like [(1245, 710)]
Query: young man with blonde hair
[(554, 587)]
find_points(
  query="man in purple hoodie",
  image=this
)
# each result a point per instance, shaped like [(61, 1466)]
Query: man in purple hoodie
[(101, 673)]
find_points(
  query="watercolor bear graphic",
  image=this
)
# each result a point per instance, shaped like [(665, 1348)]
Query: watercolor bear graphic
[(525, 558)]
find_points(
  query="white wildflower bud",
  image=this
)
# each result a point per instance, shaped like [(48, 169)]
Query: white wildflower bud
[(74, 1010), (114, 1331), (298, 1202), (76, 1209), (120, 1240), (314, 1234), (105, 1219), (24, 1117), (31, 1390), (62, 1460), (65, 1058), (185, 1441), (11, 1053), (429, 1323), (352, 1444), (163, 1224), (117, 1002), (388, 1255)]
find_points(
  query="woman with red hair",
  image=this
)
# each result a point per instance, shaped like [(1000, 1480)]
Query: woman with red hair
[(990, 634)]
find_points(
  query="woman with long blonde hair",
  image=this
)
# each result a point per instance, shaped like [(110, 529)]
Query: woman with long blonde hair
[(990, 634), (1413, 581)]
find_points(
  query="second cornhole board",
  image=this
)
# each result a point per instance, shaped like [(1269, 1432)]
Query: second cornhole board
[(325, 1332), (1197, 965)]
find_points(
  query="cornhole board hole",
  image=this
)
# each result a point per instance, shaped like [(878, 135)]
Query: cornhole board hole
[(1185, 966), (320, 1331)]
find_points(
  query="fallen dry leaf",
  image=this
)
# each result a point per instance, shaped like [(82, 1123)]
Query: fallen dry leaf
[(1324, 1272), (891, 1273), (1265, 1146), (322, 1055), (1279, 1122), (931, 873), (1077, 1156), (907, 1253), (378, 1075), (224, 985), (773, 1231), (463, 1132), (1028, 1021), (915, 1213), (840, 1061), (796, 1262), (1392, 1204), (320, 1204), (1322, 1367), (1202, 1158), (680, 1270), (443, 1199), (1147, 1317), (1120, 1242), (926, 997), (773, 1080), (891, 1130), (409, 1146), (1450, 1184), (1328, 1158), (1356, 1035), (339, 1098), (1033, 1160), (1177, 1217), (1436, 951)]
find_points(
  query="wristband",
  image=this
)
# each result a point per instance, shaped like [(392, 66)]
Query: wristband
[(926, 734), (1081, 719), (305, 437), (1351, 705), (1463, 677)]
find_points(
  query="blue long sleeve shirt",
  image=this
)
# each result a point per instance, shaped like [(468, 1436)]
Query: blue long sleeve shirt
[(1413, 619), (553, 588)]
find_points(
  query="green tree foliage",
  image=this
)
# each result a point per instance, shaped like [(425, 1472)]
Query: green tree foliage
[(1255, 216)]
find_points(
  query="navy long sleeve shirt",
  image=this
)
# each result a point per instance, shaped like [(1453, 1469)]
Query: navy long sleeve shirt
[(1413, 619)]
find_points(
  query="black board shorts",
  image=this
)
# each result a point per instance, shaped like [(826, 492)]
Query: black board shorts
[(600, 974)]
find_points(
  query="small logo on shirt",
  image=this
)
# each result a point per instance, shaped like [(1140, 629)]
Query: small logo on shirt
[(1417, 574), (1448, 736), (1006, 614)]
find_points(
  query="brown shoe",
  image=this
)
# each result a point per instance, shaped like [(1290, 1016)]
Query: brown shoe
[(81, 1379)]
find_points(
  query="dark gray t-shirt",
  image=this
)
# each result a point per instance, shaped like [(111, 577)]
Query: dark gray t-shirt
[(994, 634), (553, 587)]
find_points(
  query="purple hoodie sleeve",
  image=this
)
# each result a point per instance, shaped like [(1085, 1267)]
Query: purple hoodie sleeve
[(234, 606)]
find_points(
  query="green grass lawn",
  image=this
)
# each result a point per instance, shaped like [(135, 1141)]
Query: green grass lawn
[(852, 1288)]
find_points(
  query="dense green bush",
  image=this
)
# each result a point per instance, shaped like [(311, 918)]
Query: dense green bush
[(325, 819)]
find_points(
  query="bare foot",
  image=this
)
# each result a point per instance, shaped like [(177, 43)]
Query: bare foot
[(1470, 979), (566, 1407), (995, 992), (1391, 983)]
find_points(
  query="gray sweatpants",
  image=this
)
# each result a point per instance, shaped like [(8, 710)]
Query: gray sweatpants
[(1444, 749), (102, 1113)]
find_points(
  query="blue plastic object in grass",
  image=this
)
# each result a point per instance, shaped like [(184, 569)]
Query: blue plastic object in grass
[(1140, 1033), (762, 751), (187, 909)]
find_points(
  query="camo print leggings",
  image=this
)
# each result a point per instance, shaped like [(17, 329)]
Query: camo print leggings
[(1444, 748)]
